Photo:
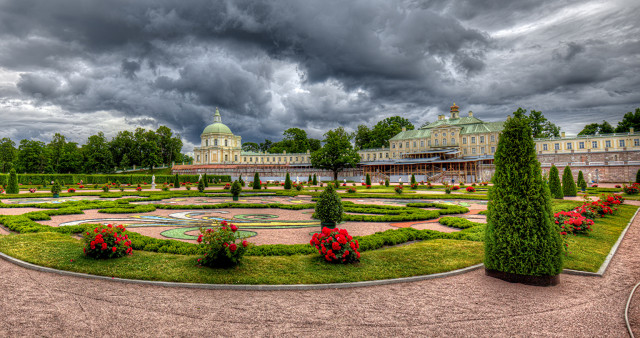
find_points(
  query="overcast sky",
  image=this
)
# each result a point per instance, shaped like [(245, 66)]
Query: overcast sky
[(79, 67)]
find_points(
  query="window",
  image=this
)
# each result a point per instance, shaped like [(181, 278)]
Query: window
[(367, 157), (607, 144), (206, 143), (453, 133), (594, 144), (414, 144), (226, 158), (544, 147), (422, 143), (556, 146), (569, 146), (621, 143), (436, 143), (473, 140), (387, 155), (236, 158), (267, 159), (473, 150), (493, 150), (636, 142), (493, 138), (296, 158), (393, 145), (581, 145), (482, 150), (198, 158), (290, 159), (225, 142), (444, 141), (464, 140), (481, 139), (407, 144), (394, 154), (215, 142), (380, 155), (400, 145), (436, 134), (453, 141), (250, 159), (429, 143), (465, 151)]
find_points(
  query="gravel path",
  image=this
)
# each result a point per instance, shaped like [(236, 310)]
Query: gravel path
[(37, 303)]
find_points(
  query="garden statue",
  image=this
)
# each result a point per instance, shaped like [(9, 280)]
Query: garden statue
[(400, 180), (200, 178), (153, 182)]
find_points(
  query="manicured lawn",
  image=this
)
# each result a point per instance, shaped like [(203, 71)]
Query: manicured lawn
[(587, 253), (427, 257)]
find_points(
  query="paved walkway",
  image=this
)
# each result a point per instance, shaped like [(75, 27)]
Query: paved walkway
[(37, 303)]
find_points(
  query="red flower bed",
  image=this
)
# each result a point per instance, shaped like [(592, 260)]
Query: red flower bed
[(227, 186), (221, 249), (573, 222), (139, 189), (471, 189), (107, 241), (336, 246), (633, 189), (455, 187), (71, 190)]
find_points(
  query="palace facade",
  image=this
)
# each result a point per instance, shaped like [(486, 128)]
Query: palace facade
[(454, 148)]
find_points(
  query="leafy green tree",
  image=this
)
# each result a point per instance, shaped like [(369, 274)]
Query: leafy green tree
[(98, 157), (581, 182), (521, 237), (33, 157), (594, 128), (540, 126), (568, 184), (168, 144), (72, 159), (123, 149), (629, 120), (287, 182), (56, 151), (12, 187), (363, 137), (314, 144), (384, 130), (266, 146), (554, 183), (256, 181), (8, 154), (250, 146), (336, 154)]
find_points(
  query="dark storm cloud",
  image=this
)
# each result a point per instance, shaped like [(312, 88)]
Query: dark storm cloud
[(271, 65)]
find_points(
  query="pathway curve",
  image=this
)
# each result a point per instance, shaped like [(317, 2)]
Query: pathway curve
[(37, 303)]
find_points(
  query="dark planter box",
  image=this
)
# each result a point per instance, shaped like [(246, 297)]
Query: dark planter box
[(524, 279)]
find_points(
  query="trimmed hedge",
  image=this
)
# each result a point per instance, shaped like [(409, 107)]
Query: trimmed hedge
[(69, 179), (457, 222)]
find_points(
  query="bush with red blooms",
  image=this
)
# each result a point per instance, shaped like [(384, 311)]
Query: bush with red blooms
[(351, 190), (594, 185), (107, 241), (344, 184), (414, 186), (455, 187), (633, 189), (572, 222), (606, 205), (227, 186), (618, 185), (32, 190), (82, 186), (336, 246), (471, 189), (368, 186), (139, 189), (221, 249), (71, 190)]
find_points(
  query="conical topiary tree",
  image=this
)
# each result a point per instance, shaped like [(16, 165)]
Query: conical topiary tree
[(256, 181), (241, 181), (201, 185), (522, 241), (386, 183), (176, 182), (638, 176), (581, 182), (315, 179), (287, 182), (554, 183), (367, 180), (12, 186), (329, 207), (309, 180), (205, 180), (413, 179), (568, 184)]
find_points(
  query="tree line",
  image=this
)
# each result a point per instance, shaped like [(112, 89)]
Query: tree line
[(629, 120), (145, 148)]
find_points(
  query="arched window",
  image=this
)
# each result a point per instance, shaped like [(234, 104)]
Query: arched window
[(225, 142), (215, 142)]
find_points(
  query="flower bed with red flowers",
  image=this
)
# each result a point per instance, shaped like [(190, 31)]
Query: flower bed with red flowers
[(351, 190), (572, 222), (107, 241), (227, 186), (618, 185), (139, 189), (633, 189), (414, 186), (336, 246), (32, 190), (455, 187), (71, 190), (221, 249), (398, 189), (594, 185), (471, 189)]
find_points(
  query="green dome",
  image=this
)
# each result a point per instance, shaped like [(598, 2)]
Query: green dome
[(218, 128)]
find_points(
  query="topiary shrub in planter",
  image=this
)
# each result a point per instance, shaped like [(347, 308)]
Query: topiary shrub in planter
[(315, 179), (581, 182), (413, 179), (12, 187), (287, 182), (367, 180), (201, 185), (522, 241), (107, 241), (386, 183), (176, 182), (336, 246), (235, 189), (221, 249), (56, 189), (568, 184), (256, 182), (398, 189), (329, 208), (554, 183)]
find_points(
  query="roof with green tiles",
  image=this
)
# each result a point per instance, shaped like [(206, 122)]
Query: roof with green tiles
[(468, 125)]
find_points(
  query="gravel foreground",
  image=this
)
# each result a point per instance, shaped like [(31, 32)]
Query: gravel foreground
[(42, 304)]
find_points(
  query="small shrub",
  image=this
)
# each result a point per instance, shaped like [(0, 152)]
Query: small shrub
[(107, 241), (105, 188), (299, 187), (71, 190), (351, 190), (386, 183), (220, 247), (287, 182), (633, 189), (414, 186), (55, 188), (235, 188), (398, 189), (336, 246), (471, 189), (329, 207), (256, 182)]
